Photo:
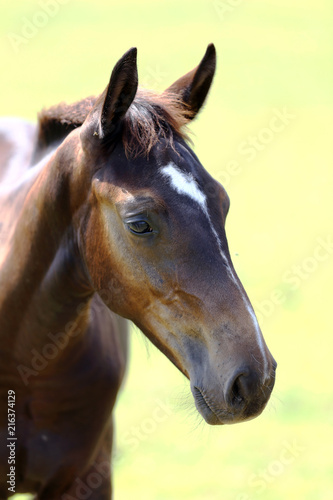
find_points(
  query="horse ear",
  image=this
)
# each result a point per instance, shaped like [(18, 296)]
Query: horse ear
[(193, 87), (118, 96)]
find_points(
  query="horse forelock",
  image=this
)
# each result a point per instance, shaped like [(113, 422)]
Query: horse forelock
[(150, 118)]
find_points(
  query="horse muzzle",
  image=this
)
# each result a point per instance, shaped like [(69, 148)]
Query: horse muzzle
[(242, 397)]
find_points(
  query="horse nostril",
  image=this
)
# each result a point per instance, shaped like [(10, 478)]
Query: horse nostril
[(236, 397), (241, 388)]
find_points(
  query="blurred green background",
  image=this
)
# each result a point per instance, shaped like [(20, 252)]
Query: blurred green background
[(266, 134)]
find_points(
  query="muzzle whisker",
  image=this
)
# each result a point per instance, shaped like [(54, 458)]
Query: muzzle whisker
[(258, 362)]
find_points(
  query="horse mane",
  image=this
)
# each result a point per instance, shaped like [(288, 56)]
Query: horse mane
[(150, 118), (56, 122)]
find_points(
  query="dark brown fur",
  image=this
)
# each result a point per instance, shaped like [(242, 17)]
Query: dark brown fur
[(150, 118), (56, 122), (73, 266)]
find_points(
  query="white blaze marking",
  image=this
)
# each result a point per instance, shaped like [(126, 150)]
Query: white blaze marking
[(184, 183), (253, 317), (260, 340)]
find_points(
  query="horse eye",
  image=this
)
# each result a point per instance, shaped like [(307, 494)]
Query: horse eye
[(140, 227)]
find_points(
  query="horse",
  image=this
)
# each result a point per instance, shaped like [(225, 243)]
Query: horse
[(108, 216)]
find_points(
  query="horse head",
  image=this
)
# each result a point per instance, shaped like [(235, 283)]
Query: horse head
[(152, 236)]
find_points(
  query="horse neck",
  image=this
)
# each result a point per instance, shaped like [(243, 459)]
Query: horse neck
[(44, 286)]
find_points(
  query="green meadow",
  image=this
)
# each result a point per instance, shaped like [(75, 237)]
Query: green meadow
[(266, 134)]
